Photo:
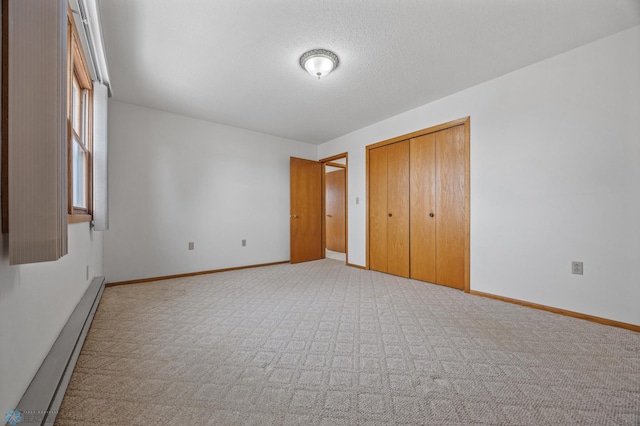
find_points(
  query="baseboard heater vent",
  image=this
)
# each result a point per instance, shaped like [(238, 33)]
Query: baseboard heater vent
[(43, 397)]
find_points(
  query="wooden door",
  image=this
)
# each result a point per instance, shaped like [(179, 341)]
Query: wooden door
[(431, 176), (422, 211), (378, 212), (450, 210), (306, 210), (335, 204), (389, 209), (398, 208)]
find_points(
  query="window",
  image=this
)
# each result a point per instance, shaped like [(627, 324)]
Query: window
[(79, 117)]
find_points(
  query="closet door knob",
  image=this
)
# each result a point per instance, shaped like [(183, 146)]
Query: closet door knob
[(431, 215), (390, 215)]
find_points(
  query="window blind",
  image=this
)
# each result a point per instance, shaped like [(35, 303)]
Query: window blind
[(37, 130), (100, 177)]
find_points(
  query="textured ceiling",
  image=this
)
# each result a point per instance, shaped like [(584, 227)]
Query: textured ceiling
[(235, 62)]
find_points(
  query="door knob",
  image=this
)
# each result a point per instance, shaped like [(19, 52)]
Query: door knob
[(294, 216), (390, 215), (329, 215), (431, 215)]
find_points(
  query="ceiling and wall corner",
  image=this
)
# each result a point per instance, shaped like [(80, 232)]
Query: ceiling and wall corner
[(236, 62), (536, 77), (555, 173), (556, 191), (193, 181)]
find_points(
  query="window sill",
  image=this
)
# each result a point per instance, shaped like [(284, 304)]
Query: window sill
[(79, 218)]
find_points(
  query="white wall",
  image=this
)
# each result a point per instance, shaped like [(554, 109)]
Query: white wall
[(174, 179), (555, 177), (36, 301)]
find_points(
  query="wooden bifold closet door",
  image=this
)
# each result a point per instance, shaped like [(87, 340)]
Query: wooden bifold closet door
[(438, 207), (418, 206), (389, 209)]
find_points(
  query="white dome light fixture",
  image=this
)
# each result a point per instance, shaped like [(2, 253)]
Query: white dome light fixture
[(319, 62)]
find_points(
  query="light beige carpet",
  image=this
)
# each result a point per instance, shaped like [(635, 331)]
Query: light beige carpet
[(330, 254), (321, 343)]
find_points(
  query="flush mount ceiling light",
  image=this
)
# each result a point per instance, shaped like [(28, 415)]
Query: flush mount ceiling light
[(319, 62)]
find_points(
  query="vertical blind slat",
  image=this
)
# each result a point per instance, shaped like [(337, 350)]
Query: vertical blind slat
[(37, 130), (100, 177)]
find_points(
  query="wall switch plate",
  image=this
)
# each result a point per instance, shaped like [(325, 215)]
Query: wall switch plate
[(191, 245), (576, 267), (244, 243)]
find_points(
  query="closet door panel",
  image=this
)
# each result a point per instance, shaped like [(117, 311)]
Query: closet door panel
[(398, 208), (422, 211), (378, 209), (450, 202)]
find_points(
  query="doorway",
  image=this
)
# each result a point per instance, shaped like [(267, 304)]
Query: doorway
[(310, 216), (335, 207)]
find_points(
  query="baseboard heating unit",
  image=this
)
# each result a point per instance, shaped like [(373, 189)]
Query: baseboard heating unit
[(43, 397)]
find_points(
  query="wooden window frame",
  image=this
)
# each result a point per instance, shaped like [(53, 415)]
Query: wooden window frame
[(79, 71)]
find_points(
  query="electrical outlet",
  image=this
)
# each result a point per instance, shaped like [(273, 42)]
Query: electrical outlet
[(191, 245), (576, 267), (357, 200), (244, 243)]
